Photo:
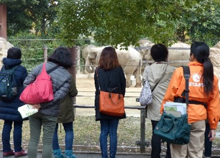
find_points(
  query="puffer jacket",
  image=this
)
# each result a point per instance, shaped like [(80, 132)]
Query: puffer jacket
[(9, 109), (108, 79), (67, 112), (61, 79), (160, 73), (196, 112)]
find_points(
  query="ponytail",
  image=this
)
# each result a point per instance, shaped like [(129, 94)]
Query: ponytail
[(208, 76)]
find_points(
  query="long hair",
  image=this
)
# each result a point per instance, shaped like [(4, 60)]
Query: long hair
[(200, 50), (62, 57), (108, 59)]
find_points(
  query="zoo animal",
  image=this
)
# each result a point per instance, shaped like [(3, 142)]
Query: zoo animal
[(130, 61), (178, 53)]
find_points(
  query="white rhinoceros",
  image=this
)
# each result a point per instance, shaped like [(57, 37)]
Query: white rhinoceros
[(129, 59)]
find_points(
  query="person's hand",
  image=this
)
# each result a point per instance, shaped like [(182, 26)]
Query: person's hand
[(211, 135), (36, 106)]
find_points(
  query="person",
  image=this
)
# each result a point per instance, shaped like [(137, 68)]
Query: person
[(46, 117), (208, 143), (9, 109), (108, 75), (158, 81), (203, 100), (66, 117)]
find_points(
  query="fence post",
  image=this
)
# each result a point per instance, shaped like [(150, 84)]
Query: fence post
[(73, 51), (45, 53), (142, 143)]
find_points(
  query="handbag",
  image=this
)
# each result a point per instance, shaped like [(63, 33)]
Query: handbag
[(41, 90), (145, 95), (175, 129), (110, 103)]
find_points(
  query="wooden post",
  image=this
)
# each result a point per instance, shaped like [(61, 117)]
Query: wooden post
[(3, 21), (45, 53), (73, 51)]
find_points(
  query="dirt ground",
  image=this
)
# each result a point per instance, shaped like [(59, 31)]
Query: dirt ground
[(86, 95)]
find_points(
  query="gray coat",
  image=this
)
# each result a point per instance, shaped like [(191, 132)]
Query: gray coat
[(61, 79), (160, 73)]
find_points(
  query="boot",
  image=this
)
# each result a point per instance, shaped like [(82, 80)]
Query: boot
[(57, 153), (69, 154)]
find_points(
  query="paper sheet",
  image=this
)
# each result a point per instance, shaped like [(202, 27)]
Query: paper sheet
[(27, 110)]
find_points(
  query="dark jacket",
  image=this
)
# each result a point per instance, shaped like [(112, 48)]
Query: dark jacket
[(61, 79), (67, 112), (9, 109), (108, 80)]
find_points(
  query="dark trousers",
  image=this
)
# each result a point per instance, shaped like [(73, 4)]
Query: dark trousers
[(208, 143), (156, 144)]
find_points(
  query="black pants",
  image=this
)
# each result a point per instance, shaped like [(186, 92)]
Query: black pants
[(156, 144), (208, 143)]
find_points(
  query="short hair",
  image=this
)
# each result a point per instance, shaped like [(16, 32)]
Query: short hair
[(159, 52), (62, 57), (108, 59), (14, 53)]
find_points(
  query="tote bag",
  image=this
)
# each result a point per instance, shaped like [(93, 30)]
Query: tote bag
[(145, 95), (111, 103), (40, 91)]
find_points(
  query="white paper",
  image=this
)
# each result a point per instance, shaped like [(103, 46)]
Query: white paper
[(173, 106), (27, 110)]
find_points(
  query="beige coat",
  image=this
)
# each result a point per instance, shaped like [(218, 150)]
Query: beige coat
[(160, 73)]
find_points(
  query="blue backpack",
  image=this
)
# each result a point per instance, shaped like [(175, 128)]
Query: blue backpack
[(8, 86)]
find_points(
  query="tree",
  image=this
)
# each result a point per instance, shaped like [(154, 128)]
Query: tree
[(117, 21), (26, 15)]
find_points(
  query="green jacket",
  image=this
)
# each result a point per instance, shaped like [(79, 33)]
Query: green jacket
[(67, 112)]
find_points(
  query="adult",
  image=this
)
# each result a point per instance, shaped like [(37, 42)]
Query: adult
[(46, 117), (108, 76), (9, 109), (66, 117), (203, 100), (158, 81)]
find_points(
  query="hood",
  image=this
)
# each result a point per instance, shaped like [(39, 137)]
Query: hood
[(9, 63)]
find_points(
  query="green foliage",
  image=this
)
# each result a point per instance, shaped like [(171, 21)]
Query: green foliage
[(33, 48), (35, 15), (116, 21)]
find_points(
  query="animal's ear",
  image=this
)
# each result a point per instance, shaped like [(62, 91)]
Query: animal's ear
[(93, 52)]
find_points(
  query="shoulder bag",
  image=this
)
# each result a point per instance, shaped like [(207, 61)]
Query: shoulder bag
[(175, 129), (41, 90), (110, 103)]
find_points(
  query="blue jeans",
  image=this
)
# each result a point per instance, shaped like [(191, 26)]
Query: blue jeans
[(69, 136), (17, 135), (108, 127), (208, 143)]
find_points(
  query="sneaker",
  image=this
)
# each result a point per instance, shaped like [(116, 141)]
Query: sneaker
[(9, 153), (21, 153)]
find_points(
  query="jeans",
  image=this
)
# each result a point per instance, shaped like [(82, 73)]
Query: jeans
[(17, 135), (48, 123), (208, 143), (69, 136), (156, 144), (108, 127)]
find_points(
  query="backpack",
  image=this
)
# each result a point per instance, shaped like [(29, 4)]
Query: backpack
[(8, 85)]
